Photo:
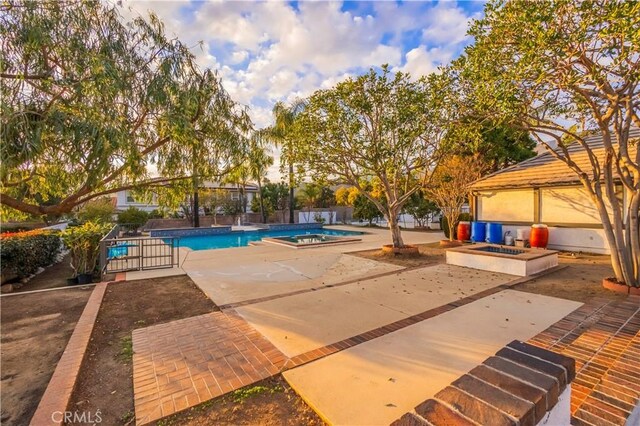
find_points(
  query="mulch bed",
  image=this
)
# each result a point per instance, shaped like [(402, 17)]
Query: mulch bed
[(430, 254), (581, 280), (35, 330)]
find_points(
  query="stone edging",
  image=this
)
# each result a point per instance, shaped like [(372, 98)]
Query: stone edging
[(58, 393)]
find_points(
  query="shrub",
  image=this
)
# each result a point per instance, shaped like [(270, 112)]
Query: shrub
[(444, 224), (22, 253), (84, 244), (101, 210), (133, 217)]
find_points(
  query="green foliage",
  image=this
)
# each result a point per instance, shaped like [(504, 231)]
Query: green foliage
[(243, 394), (420, 208), (22, 253), (134, 217), (444, 225), (498, 145), (98, 210), (232, 207), (562, 71), (276, 195), (327, 198), (379, 126), (84, 243), (91, 99), (126, 350), (266, 204), (365, 209)]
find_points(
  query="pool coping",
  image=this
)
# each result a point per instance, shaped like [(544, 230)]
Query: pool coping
[(338, 240)]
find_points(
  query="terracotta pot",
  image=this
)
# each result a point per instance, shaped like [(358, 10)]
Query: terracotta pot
[(408, 249), (450, 244), (613, 285)]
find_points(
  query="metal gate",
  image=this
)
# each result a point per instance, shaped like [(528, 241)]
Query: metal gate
[(137, 253)]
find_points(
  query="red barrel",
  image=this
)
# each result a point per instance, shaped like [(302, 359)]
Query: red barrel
[(464, 231), (539, 236)]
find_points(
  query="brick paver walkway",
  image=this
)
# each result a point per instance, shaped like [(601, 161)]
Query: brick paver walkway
[(603, 336), (183, 363)]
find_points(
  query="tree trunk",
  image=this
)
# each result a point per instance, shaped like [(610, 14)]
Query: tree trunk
[(291, 196), (196, 209), (262, 212), (394, 227)]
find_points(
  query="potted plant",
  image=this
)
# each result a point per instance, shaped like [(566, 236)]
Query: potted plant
[(84, 244)]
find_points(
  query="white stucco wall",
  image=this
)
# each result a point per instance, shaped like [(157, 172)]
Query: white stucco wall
[(570, 239), (570, 206), (511, 206), (123, 204), (567, 205)]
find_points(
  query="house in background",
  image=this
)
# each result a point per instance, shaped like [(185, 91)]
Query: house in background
[(126, 199), (545, 190)]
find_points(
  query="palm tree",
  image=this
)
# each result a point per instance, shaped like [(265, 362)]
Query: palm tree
[(259, 163), (281, 134), (239, 177), (310, 195)]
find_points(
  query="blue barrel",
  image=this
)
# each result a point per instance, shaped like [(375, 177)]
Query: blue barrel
[(494, 233), (478, 232)]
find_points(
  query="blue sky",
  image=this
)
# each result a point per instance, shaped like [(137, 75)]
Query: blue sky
[(271, 51)]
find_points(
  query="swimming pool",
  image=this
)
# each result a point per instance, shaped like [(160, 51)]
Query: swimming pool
[(243, 238)]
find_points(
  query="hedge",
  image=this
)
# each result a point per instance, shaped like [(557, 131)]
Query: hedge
[(23, 253)]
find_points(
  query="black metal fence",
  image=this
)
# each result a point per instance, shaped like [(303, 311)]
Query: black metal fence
[(121, 253)]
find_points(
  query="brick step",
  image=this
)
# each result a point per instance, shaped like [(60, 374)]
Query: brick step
[(603, 337)]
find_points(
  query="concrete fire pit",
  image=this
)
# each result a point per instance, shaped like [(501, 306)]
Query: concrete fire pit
[(505, 259)]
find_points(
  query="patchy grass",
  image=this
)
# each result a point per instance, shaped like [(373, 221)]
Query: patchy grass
[(126, 350), (243, 394), (271, 402)]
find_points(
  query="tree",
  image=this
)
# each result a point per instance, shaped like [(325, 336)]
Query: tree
[(365, 209), (213, 200), (421, 208), (240, 178), (277, 195), (282, 134), (259, 162), (374, 126), (450, 186), (90, 101), (562, 71), (498, 145), (310, 196), (100, 210)]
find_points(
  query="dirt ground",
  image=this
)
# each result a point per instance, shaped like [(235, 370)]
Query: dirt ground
[(268, 403), (581, 280), (430, 254), (54, 276), (35, 331), (105, 381)]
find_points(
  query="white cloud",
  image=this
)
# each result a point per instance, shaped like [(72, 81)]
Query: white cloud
[(269, 51)]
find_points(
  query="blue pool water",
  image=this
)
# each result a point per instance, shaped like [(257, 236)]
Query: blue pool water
[(243, 238)]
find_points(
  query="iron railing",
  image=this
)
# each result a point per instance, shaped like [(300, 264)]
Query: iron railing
[(120, 254)]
